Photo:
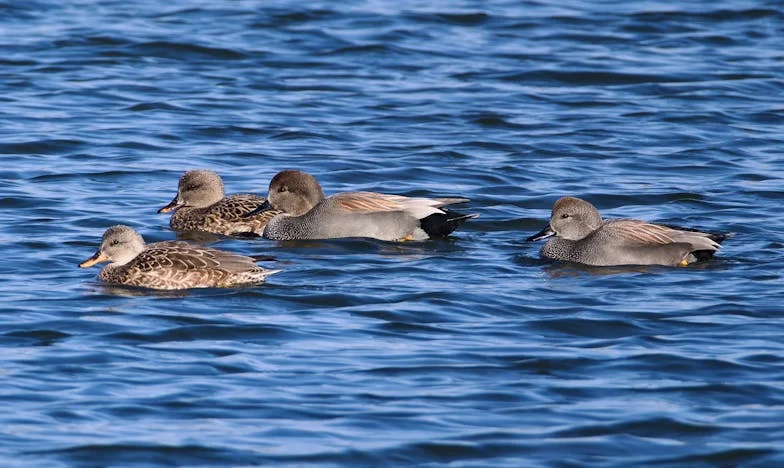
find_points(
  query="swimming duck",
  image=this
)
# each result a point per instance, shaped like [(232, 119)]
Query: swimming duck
[(307, 214), (577, 233), (170, 264), (200, 205)]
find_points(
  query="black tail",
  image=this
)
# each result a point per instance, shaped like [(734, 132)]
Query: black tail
[(441, 225), (715, 237), (703, 254)]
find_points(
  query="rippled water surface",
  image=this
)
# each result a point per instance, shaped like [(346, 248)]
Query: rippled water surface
[(470, 351)]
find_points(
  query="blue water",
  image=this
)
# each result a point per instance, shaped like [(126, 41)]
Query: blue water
[(470, 351)]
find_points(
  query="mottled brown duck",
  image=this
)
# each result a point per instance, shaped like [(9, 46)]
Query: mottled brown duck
[(201, 205), (170, 264)]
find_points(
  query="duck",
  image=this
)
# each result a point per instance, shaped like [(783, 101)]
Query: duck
[(170, 264), (305, 213), (577, 233), (201, 206)]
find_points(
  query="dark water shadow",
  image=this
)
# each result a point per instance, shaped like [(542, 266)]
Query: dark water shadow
[(136, 291), (362, 245), (200, 237), (555, 269)]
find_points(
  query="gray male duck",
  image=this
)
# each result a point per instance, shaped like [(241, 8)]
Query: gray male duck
[(305, 213), (577, 233), (200, 205)]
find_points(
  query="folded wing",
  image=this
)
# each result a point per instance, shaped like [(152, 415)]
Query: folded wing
[(643, 233), (372, 202), (180, 261)]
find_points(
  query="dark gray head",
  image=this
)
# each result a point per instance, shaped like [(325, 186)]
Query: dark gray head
[(197, 189), (294, 192), (120, 245), (571, 219)]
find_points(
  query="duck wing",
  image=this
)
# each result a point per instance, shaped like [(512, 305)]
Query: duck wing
[(180, 264), (373, 202), (642, 233)]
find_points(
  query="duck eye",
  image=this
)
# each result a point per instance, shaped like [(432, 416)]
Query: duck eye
[(564, 216), (116, 242), (283, 189)]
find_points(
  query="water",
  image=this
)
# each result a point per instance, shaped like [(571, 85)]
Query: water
[(471, 351)]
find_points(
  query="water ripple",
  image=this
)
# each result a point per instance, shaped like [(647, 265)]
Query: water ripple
[(470, 351)]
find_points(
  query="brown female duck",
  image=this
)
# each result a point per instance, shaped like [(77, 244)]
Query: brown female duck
[(171, 264), (200, 205)]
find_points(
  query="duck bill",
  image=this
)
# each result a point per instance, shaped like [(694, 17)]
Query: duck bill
[(97, 257), (174, 205), (543, 234), (261, 209)]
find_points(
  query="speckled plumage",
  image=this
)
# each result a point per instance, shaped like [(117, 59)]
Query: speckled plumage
[(200, 205), (578, 234), (171, 264), (224, 217)]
